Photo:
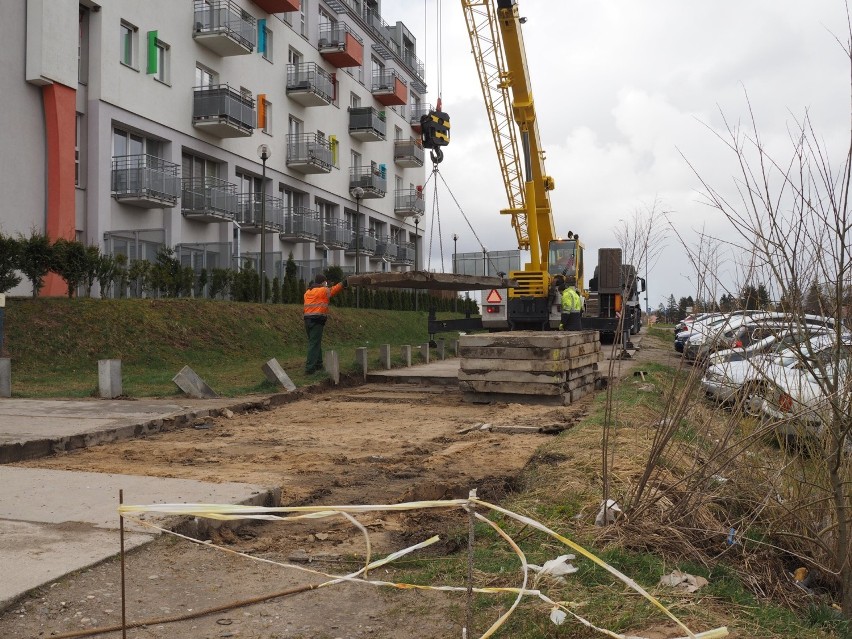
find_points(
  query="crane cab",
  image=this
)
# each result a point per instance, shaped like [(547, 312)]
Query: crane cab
[(565, 260)]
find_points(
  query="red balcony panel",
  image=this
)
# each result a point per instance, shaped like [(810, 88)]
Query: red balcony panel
[(278, 6), (352, 54), (397, 97)]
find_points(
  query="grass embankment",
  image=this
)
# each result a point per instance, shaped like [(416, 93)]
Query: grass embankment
[(55, 344)]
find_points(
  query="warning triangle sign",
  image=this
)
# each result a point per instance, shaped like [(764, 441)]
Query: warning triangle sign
[(493, 297)]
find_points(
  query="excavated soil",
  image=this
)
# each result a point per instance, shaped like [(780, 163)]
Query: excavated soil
[(363, 445)]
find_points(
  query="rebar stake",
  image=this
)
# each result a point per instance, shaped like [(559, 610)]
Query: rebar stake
[(471, 518), (123, 594)]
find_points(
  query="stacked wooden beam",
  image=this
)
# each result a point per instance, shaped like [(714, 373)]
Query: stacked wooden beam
[(555, 366)]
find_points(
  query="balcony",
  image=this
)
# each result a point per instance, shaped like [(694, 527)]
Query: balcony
[(278, 6), (389, 88), (408, 202), (145, 181), (340, 46), (311, 85), (335, 235), (413, 63), (386, 249), (223, 112), (224, 28), (408, 153), (301, 225), (366, 246), (373, 180), (208, 199), (367, 124), (404, 254), (417, 112), (309, 153), (250, 212)]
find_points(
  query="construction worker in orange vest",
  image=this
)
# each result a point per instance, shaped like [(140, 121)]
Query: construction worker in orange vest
[(317, 298)]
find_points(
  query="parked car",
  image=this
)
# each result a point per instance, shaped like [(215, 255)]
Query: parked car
[(744, 381), (760, 336), (706, 336), (686, 323)]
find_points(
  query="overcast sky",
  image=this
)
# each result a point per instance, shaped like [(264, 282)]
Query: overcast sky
[(623, 89)]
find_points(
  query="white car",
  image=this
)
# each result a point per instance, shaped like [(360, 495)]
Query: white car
[(761, 337), (706, 337)]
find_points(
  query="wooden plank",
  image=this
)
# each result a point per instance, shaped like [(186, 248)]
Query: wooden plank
[(511, 388), (518, 377)]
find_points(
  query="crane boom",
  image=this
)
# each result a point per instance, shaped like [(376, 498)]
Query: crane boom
[(498, 50)]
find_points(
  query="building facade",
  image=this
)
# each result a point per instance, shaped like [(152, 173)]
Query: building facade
[(210, 126)]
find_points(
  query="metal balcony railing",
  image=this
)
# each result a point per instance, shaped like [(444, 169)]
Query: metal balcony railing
[(225, 17), (409, 201), (310, 77), (366, 246), (208, 199), (335, 234), (385, 80), (251, 211), (309, 148), (301, 224), (414, 64), (145, 178), (220, 103), (408, 152), (368, 119), (372, 180), (387, 247), (417, 112), (333, 36), (405, 253)]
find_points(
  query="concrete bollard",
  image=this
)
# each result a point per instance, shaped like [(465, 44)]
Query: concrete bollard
[(385, 356), (361, 359), (5, 377), (442, 349), (424, 352), (331, 361), (190, 383), (109, 378), (275, 374), (406, 355), (455, 347)]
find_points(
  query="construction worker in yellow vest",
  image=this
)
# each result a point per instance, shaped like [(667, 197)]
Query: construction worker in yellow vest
[(572, 305)]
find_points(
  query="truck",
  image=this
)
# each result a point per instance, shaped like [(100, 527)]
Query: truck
[(614, 295)]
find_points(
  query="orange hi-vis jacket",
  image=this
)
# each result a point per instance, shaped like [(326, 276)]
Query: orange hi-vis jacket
[(317, 299)]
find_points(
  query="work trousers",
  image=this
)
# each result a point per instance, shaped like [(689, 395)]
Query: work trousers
[(314, 327), (571, 321)]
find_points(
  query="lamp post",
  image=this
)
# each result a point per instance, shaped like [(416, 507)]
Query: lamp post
[(416, 237), (264, 153), (484, 262), (357, 193), (455, 250)]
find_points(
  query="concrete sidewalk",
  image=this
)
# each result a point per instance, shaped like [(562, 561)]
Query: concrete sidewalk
[(56, 522)]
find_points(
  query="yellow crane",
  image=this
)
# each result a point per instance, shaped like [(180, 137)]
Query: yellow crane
[(494, 27)]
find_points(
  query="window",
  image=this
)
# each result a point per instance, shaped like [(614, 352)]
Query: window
[(83, 47), (128, 45), (267, 116), (294, 57), (249, 184), (267, 48), (194, 166), (355, 158), (77, 137), (294, 127), (204, 77), (397, 133), (162, 53), (303, 20), (354, 101), (127, 143)]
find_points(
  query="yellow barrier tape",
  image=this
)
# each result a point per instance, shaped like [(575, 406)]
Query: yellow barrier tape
[(274, 513)]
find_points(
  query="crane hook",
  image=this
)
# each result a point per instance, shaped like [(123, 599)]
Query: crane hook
[(437, 155)]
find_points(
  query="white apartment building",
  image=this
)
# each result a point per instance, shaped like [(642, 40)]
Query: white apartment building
[(133, 124)]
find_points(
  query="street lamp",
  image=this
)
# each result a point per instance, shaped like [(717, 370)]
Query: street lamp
[(455, 250), (264, 152), (416, 236), (357, 193), (484, 262)]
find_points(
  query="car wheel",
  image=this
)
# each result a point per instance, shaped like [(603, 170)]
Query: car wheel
[(751, 400)]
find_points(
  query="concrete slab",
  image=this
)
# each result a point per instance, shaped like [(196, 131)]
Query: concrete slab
[(53, 522)]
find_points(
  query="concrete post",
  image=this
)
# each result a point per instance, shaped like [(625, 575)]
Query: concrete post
[(275, 374), (331, 361), (109, 378), (385, 356), (406, 355), (361, 359), (5, 377), (424, 352), (442, 347), (456, 347), (191, 384)]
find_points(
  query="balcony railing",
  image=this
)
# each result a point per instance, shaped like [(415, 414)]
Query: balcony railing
[(408, 202), (414, 64), (367, 124), (341, 46), (408, 153), (417, 112), (224, 28), (404, 254), (389, 87), (309, 153), (301, 224), (145, 181), (365, 246), (251, 211), (208, 199), (223, 111), (335, 234), (311, 85), (386, 248), (372, 180)]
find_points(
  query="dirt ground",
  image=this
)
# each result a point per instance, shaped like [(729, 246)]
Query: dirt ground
[(368, 444)]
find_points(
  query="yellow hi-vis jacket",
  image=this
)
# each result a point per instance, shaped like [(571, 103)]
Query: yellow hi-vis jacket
[(571, 302), (317, 299)]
